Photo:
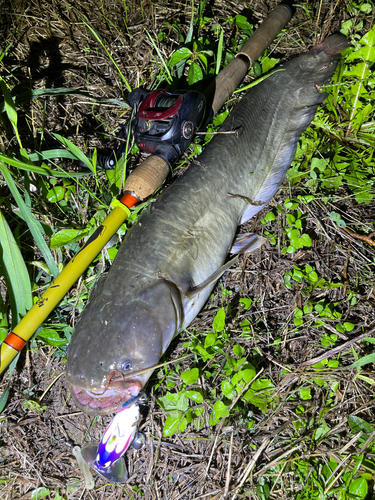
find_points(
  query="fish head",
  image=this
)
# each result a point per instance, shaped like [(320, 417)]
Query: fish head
[(115, 339)]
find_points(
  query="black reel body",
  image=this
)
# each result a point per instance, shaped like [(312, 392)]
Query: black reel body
[(166, 121), (162, 123)]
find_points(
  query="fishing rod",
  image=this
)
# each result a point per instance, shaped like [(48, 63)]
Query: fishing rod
[(148, 176)]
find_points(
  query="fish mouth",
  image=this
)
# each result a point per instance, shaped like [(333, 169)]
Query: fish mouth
[(118, 392)]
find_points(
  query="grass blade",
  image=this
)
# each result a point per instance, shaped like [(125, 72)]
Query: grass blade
[(10, 109), (5, 394), (189, 36), (219, 51), (370, 358), (35, 93), (109, 55), (43, 170), (167, 74), (33, 225), (75, 151), (13, 268), (15, 273)]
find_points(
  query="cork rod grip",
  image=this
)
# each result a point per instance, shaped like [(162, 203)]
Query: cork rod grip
[(147, 178)]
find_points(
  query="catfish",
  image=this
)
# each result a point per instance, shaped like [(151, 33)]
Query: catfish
[(171, 259)]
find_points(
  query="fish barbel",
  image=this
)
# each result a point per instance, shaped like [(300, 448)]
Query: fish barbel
[(169, 262)]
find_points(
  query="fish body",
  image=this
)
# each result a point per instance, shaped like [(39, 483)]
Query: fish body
[(169, 262)]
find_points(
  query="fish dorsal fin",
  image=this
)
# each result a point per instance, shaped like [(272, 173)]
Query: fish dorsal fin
[(211, 279)]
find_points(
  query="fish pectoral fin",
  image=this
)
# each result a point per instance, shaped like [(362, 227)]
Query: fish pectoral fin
[(211, 279), (243, 243), (246, 243)]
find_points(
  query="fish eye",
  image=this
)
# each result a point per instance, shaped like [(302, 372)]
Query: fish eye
[(126, 365)]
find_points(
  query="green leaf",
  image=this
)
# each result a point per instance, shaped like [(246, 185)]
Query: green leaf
[(190, 376), (306, 240), (9, 104), (268, 63), (210, 340), (3, 333), (219, 51), (369, 40), (260, 394), (41, 492), (174, 423), (220, 118), (319, 163), (358, 424), (34, 226), (270, 217), (367, 52), (363, 197), (238, 350), (337, 218), (4, 397), (246, 303), (203, 59), (195, 396), (195, 74), (290, 218), (51, 337), (173, 402), (5, 394), (366, 8), (243, 23), (219, 411), (179, 55), (322, 430), (55, 194), (35, 93), (228, 389), (13, 267), (305, 393), (219, 321), (359, 488), (328, 340), (348, 326), (243, 377), (66, 236), (51, 154)]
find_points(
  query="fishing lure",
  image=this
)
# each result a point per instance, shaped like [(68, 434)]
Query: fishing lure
[(107, 457)]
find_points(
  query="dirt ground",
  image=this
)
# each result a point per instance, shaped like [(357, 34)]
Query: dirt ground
[(53, 47)]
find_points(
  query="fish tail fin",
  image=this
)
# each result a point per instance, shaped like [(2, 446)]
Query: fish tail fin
[(331, 46)]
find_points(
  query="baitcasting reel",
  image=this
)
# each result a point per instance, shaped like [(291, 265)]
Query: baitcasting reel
[(163, 123)]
